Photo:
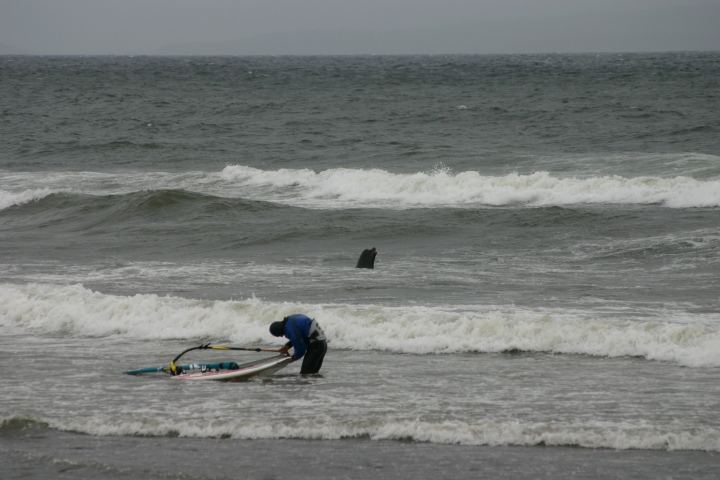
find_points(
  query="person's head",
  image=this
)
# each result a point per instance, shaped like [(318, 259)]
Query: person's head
[(277, 329)]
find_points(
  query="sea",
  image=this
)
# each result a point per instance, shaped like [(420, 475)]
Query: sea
[(545, 301)]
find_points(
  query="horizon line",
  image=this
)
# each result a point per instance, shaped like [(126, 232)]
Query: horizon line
[(579, 52)]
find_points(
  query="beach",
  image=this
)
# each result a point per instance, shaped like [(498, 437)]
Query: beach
[(543, 303), (42, 454)]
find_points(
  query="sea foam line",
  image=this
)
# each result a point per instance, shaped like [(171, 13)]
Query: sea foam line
[(689, 339), (9, 199), (376, 188), (441, 188), (492, 432)]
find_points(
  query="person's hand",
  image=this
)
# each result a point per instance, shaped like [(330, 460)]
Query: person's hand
[(284, 349)]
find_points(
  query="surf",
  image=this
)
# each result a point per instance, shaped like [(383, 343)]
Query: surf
[(341, 188), (689, 339), (620, 435)]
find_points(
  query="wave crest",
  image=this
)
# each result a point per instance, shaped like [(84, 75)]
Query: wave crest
[(375, 188), (688, 339), (10, 199), (622, 435), (343, 187)]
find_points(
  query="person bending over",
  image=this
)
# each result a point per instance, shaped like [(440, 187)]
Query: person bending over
[(305, 337)]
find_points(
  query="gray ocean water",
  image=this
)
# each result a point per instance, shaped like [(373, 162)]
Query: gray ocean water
[(548, 229)]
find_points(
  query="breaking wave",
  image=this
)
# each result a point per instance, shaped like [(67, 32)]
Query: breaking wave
[(623, 435), (374, 188), (9, 199), (442, 188), (688, 339)]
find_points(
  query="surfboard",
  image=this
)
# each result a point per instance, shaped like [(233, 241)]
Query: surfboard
[(242, 372)]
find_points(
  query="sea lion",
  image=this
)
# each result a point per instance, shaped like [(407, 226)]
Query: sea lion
[(367, 258)]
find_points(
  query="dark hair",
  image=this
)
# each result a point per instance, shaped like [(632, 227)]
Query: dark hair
[(277, 329)]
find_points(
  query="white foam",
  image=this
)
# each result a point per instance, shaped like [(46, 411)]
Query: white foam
[(9, 199), (493, 432), (376, 188), (688, 339)]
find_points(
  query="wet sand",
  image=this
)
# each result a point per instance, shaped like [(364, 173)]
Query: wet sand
[(40, 453)]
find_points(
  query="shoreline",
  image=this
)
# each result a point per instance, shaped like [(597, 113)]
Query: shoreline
[(38, 453)]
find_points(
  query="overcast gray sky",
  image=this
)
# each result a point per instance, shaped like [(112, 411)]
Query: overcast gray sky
[(355, 26)]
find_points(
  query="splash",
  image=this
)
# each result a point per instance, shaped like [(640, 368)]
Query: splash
[(492, 432), (442, 188), (688, 339), (9, 199), (375, 188)]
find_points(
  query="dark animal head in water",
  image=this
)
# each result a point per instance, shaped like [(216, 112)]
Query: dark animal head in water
[(367, 258)]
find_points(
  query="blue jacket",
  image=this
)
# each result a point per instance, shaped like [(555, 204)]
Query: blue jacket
[(297, 330)]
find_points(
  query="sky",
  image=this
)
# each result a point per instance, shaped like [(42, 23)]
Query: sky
[(324, 27)]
